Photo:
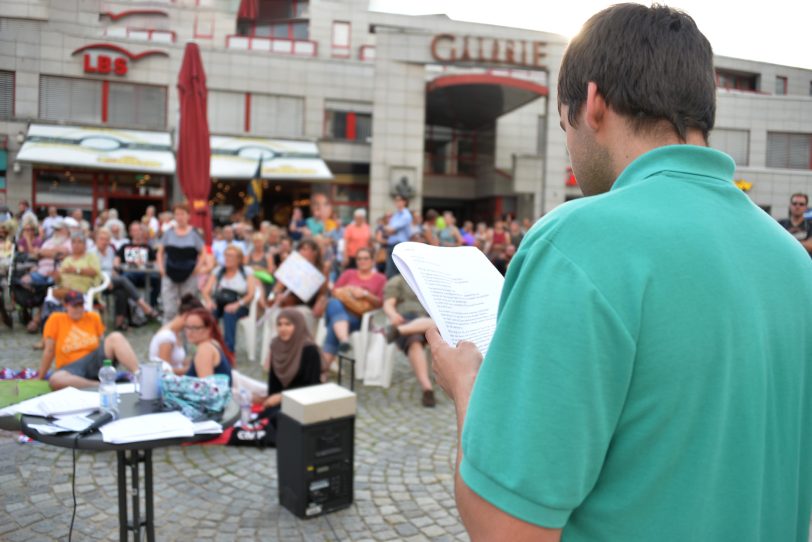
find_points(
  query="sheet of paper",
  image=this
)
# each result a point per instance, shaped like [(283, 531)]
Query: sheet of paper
[(73, 423), (300, 276), (162, 425), (208, 427), (65, 401), (48, 429), (128, 387), (458, 286)]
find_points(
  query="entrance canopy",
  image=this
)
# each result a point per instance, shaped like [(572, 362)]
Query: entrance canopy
[(473, 100), (239, 158), (100, 148)]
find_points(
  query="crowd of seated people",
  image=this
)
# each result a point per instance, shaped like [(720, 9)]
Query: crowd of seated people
[(197, 290)]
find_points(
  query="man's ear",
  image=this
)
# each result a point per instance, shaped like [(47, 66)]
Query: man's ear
[(595, 108)]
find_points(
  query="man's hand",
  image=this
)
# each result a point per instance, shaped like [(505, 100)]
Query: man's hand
[(455, 368)]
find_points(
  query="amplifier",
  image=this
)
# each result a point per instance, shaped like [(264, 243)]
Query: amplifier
[(315, 465)]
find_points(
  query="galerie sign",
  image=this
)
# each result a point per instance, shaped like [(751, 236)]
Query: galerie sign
[(108, 58), (450, 48)]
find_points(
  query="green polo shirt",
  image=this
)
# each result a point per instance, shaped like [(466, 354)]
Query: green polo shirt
[(649, 376)]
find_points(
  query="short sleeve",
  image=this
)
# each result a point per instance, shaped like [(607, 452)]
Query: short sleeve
[(343, 279), (51, 329), (390, 290), (97, 324), (549, 393)]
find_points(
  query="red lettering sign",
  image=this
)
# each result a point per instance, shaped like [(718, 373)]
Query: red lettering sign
[(465, 49), (105, 65), (120, 66)]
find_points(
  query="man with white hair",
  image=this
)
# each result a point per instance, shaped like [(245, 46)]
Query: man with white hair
[(357, 235)]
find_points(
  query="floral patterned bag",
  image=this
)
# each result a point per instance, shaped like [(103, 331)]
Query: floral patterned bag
[(197, 398)]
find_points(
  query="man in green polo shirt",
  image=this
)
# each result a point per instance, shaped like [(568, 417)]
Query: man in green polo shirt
[(649, 378)]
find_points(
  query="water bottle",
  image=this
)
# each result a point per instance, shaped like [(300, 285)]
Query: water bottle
[(245, 407), (108, 395)]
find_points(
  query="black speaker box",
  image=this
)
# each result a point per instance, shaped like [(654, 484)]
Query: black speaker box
[(315, 465)]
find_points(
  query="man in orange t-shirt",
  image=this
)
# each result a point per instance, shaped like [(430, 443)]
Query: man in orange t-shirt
[(74, 339), (357, 235)]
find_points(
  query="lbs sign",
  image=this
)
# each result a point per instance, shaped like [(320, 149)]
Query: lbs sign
[(104, 64), (108, 58)]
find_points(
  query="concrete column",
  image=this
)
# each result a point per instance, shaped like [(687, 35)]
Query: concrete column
[(398, 131)]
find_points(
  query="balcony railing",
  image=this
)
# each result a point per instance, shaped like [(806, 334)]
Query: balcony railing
[(273, 45), (142, 34)]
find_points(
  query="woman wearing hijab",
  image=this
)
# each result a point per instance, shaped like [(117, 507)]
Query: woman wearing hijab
[(294, 360)]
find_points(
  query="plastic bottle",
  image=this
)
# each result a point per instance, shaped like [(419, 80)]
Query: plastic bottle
[(245, 407), (108, 395)]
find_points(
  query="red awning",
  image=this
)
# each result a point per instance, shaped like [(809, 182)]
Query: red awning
[(249, 10), (194, 151)]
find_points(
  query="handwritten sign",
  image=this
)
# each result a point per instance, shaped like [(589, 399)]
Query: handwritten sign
[(300, 276)]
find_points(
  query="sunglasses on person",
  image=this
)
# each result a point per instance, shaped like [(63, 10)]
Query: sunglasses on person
[(799, 203), (194, 328)]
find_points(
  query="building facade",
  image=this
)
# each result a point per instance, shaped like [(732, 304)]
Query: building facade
[(325, 95)]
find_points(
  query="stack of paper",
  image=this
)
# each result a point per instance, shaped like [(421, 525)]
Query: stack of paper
[(208, 427), (163, 425), (458, 286), (65, 401)]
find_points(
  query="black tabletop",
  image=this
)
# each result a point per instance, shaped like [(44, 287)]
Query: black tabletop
[(130, 405)]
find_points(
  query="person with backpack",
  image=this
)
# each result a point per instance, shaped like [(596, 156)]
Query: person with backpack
[(229, 291), (180, 252)]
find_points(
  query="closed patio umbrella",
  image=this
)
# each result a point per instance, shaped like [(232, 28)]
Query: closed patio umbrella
[(249, 9), (194, 152)]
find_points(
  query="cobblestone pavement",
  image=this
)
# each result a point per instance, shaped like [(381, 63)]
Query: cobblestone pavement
[(404, 456)]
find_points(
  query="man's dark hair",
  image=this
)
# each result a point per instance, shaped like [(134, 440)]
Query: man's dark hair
[(799, 195), (650, 64)]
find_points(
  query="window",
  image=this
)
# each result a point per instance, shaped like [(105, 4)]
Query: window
[(736, 143), (810, 88), (791, 151), (137, 105), (261, 114), (781, 86), (737, 80), (226, 112), (351, 121), (277, 115), (450, 151), (63, 98), (6, 94), (280, 19), (341, 39), (102, 102)]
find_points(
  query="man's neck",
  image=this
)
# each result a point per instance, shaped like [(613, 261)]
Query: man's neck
[(625, 145)]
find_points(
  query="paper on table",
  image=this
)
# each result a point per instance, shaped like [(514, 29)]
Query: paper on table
[(458, 286), (162, 425), (208, 427), (47, 429), (73, 423), (65, 401)]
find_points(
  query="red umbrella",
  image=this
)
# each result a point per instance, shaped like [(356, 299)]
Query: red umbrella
[(249, 9), (194, 151)]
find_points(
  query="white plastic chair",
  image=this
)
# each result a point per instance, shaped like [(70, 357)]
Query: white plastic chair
[(360, 339), (249, 325), (89, 295)]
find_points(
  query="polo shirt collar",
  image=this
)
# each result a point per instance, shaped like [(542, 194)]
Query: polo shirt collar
[(686, 159)]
